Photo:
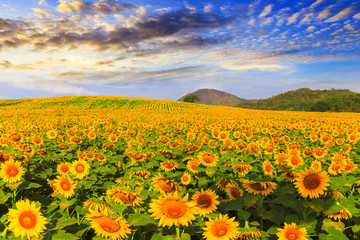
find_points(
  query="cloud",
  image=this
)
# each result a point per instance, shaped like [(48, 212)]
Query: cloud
[(266, 11), (341, 15), (69, 32), (357, 16), (293, 18), (208, 7), (41, 13), (58, 87), (81, 7), (326, 12), (254, 66), (130, 77), (7, 65), (316, 3)]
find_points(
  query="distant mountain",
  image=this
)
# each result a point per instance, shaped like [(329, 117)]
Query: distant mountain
[(216, 97), (305, 99)]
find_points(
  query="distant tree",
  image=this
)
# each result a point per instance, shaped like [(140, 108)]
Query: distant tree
[(321, 106), (191, 98)]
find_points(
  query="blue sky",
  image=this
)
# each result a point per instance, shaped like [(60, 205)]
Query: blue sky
[(164, 49)]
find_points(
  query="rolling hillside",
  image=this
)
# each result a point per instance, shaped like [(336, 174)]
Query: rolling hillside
[(305, 99), (216, 97)]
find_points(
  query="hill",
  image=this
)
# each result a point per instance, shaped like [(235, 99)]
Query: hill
[(305, 99), (215, 97)]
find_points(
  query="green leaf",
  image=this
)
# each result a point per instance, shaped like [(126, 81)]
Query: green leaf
[(243, 214), (327, 223), (157, 236), (292, 218), (250, 200), (335, 234), (33, 185), (235, 204), (140, 219), (64, 222), (3, 197), (355, 228), (61, 235), (287, 201)]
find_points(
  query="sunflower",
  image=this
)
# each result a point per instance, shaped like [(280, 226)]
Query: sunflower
[(207, 200), (267, 167), (11, 171), (316, 165), (144, 174), (259, 187), (65, 186), (63, 168), (249, 233), (336, 168), (281, 159), (291, 176), (192, 165), (233, 191), (173, 210), (107, 226), (168, 166), (80, 169), (186, 179), (208, 159), (342, 214), (350, 166), (91, 135), (94, 205), (221, 184), (242, 168), (165, 185), (221, 228), (26, 220), (291, 232), (52, 134), (124, 197), (320, 153), (295, 161), (312, 183), (113, 138)]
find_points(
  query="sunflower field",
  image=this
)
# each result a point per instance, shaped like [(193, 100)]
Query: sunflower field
[(94, 167)]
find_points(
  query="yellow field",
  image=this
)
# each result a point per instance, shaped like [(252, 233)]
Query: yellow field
[(93, 167)]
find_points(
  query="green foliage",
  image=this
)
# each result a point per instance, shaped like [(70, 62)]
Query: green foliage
[(191, 98), (304, 99)]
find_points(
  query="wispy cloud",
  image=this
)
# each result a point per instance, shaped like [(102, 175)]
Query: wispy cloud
[(341, 15), (266, 11)]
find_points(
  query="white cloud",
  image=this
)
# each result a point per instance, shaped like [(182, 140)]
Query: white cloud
[(57, 87), (266, 10), (342, 14), (208, 7), (357, 16), (163, 9), (316, 3), (293, 18), (254, 66)]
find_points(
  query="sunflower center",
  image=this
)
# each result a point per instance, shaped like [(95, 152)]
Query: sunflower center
[(268, 168), (219, 229), (208, 159), (257, 186), (311, 181), (66, 186), (108, 224), (292, 235), (204, 201), (27, 220), (80, 168), (65, 168), (185, 178), (12, 171), (174, 209), (235, 193)]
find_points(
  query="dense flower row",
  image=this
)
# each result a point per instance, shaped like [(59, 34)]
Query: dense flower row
[(210, 172)]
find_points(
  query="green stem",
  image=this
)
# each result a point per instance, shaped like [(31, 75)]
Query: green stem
[(261, 207), (177, 232)]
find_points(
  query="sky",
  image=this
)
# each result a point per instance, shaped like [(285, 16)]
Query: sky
[(165, 49)]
